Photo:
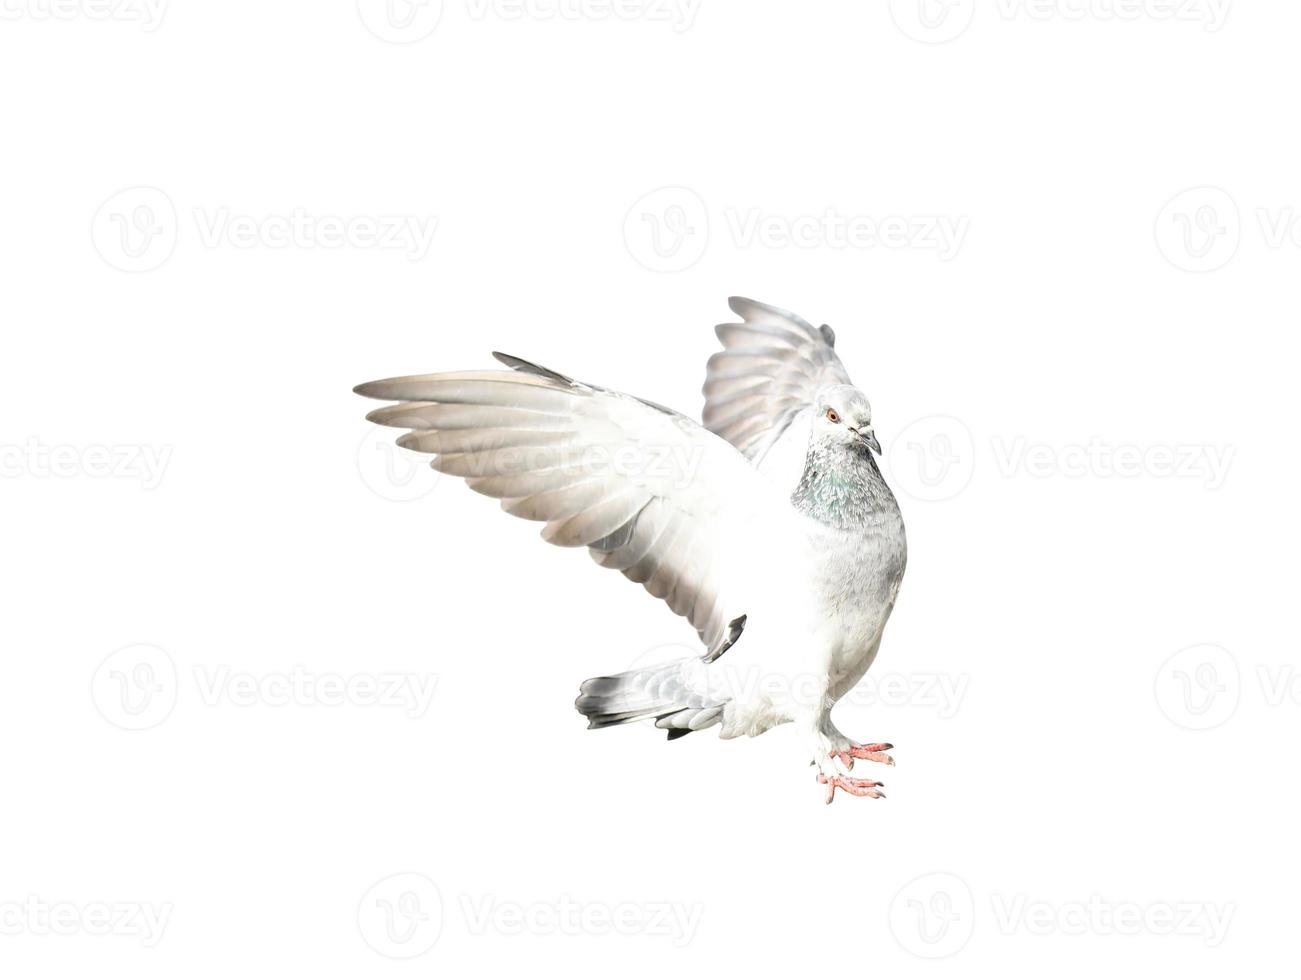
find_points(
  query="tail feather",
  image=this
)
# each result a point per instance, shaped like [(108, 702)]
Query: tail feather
[(659, 692)]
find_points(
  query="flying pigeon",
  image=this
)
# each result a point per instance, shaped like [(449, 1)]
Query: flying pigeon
[(769, 528)]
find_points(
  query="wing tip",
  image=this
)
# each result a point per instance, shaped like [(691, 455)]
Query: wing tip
[(531, 367), (747, 308)]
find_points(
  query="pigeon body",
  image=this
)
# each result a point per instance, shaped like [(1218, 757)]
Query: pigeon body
[(770, 528)]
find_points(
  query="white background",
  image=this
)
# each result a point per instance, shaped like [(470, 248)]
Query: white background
[(1118, 313)]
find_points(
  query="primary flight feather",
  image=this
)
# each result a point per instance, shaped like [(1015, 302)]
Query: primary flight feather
[(769, 528)]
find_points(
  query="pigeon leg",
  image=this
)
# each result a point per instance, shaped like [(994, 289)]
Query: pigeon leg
[(833, 746), (855, 787), (876, 752)]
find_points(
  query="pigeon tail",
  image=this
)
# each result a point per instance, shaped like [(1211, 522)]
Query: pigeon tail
[(658, 692)]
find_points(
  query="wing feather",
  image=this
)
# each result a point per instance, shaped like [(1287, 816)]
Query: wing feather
[(649, 492), (769, 370)]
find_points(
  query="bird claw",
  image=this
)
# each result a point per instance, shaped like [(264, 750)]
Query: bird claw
[(852, 786), (876, 752)]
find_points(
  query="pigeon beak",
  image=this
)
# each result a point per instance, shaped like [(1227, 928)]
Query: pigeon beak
[(869, 438)]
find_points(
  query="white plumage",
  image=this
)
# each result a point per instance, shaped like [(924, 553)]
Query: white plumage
[(769, 529)]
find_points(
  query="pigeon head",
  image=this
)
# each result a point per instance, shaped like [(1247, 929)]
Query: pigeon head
[(844, 419)]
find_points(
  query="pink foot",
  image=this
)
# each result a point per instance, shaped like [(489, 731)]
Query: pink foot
[(855, 787), (876, 752)]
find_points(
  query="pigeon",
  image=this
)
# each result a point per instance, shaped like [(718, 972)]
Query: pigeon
[(769, 527)]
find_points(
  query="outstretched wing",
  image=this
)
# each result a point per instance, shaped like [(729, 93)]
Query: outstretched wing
[(648, 491), (767, 372)]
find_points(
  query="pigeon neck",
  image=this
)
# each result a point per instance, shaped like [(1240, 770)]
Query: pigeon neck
[(842, 487)]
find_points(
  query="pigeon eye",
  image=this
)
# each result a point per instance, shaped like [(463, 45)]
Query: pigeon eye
[(832, 415)]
